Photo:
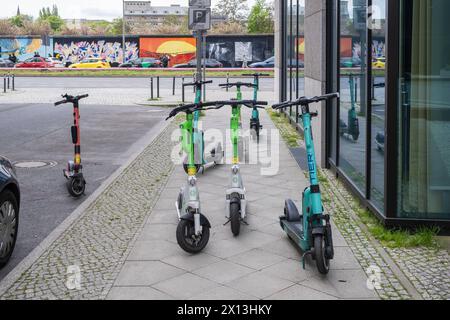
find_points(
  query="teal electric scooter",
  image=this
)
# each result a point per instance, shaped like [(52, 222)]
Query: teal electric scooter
[(202, 157), (311, 230), (255, 124)]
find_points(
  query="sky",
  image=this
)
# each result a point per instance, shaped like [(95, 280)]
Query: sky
[(86, 9)]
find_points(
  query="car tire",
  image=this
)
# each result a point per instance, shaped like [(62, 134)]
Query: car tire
[(6, 198)]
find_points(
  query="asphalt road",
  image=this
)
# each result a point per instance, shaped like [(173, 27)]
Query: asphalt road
[(31, 132), (266, 84)]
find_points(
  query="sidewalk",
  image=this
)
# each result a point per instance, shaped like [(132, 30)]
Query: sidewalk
[(260, 264)]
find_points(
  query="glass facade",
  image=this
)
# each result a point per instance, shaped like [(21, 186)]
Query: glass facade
[(388, 136), (424, 110)]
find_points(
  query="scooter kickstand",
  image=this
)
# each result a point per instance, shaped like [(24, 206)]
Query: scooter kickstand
[(229, 220), (307, 253)]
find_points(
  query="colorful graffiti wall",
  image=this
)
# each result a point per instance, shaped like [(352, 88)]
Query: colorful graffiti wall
[(24, 47), (75, 50), (351, 47), (179, 50)]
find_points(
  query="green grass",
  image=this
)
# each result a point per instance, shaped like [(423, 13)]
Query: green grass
[(398, 238), (287, 131), (126, 73)]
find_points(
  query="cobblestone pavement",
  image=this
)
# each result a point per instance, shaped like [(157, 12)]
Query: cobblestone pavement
[(98, 241), (339, 204), (428, 269)]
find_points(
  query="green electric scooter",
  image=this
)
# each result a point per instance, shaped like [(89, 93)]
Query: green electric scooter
[(238, 86), (351, 128), (311, 230), (202, 157)]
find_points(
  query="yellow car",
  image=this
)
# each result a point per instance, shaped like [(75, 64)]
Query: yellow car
[(379, 63), (91, 63)]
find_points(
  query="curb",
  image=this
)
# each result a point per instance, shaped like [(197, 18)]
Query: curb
[(133, 153)]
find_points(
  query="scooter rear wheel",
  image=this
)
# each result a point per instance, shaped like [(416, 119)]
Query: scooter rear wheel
[(186, 237), (323, 264), (76, 186), (235, 217)]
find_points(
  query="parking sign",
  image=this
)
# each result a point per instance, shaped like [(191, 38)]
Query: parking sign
[(199, 18)]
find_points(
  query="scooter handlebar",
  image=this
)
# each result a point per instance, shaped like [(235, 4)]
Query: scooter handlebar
[(215, 105), (190, 84), (237, 84), (70, 99), (305, 101)]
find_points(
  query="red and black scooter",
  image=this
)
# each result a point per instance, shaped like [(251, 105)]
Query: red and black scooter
[(76, 185)]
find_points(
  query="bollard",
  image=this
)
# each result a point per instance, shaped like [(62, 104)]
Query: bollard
[(9, 76), (228, 81), (151, 88), (13, 83), (182, 92), (173, 86), (4, 83), (157, 87), (194, 78)]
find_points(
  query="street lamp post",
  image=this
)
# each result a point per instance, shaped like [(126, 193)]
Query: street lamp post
[(123, 32)]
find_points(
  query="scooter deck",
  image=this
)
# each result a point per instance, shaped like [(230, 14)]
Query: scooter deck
[(294, 230)]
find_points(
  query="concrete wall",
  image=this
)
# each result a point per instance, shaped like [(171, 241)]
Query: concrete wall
[(315, 68)]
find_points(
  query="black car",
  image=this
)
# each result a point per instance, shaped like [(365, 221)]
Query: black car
[(269, 63), (9, 210), (210, 63), (6, 63), (142, 63)]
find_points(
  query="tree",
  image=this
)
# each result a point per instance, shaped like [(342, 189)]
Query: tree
[(234, 10), (261, 18), (117, 27), (7, 28), (51, 17)]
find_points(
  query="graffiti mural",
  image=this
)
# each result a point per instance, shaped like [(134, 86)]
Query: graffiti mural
[(179, 50), (231, 50), (110, 50), (23, 47)]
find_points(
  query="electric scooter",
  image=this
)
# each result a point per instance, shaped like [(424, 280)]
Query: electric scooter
[(193, 230), (76, 184), (255, 125), (352, 127), (311, 230), (202, 158), (236, 194), (238, 86)]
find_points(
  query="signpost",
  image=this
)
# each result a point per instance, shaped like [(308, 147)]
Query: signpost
[(200, 23)]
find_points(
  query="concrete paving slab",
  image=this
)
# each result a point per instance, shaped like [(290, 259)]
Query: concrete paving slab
[(260, 285), (145, 273), (152, 250), (185, 286), (190, 262), (223, 271), (257, 259), (223, 293), (298, 292), (137, 293)]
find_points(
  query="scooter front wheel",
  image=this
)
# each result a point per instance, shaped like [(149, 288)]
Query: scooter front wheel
[(323, 263), (186, 168), (76, 186), (188, 241), (235, 217)]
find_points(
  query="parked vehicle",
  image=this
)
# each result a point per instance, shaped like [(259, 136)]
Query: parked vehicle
[(210, 63), (6, 63), (293, 63), (379, 63), (56, 63), (9, 210), (352, 62), (142, 63), (269, 63), (91, 63), (35, 62)]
